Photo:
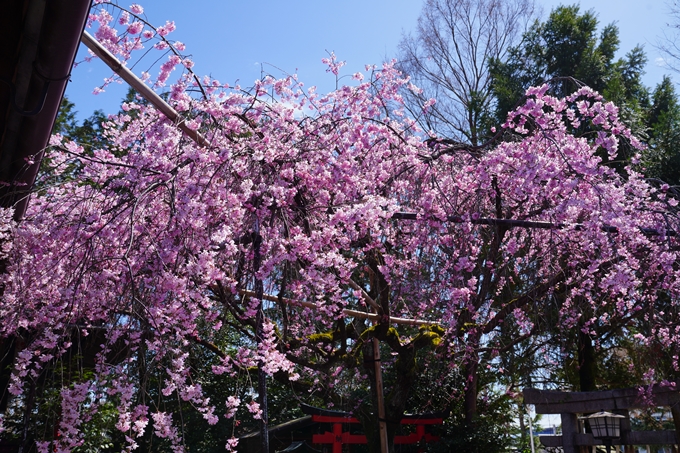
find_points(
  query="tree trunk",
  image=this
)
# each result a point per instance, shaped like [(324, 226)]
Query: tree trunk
[(7, 353), (28, 411), (470, 402), (587, 365)]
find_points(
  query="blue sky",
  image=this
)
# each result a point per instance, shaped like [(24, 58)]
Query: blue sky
[(235, 40)]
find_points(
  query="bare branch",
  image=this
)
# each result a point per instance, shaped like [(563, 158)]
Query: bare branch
[(448, 58)]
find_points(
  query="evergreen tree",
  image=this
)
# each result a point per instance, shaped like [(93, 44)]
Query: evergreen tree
[(89, 133), (662, 159), (566, 47)]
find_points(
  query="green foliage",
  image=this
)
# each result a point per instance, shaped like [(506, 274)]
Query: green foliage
[(88, 134), (491, 431), (37, 415), (565, 46), (662, 157)]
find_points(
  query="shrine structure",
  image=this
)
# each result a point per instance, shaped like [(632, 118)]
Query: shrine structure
[(570, 405), (340, 434)]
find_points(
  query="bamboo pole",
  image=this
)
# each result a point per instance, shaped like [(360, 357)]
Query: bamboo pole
[(348, 312), (531, 430), (147, 93)]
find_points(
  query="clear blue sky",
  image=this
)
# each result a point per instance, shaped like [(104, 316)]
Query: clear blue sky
[(234, 40)]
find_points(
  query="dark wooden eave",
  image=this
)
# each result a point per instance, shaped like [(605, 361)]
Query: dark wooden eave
[(39, 42)]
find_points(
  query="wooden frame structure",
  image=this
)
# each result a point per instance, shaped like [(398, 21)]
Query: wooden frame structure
[(570, 404)]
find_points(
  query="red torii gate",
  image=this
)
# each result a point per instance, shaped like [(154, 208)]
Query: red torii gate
[(337, 437)]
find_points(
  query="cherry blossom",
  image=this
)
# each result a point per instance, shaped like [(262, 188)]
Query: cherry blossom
[(153, 237)]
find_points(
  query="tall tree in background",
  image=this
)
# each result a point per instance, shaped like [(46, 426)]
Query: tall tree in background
[(448, 56), (670, 46), (662, 156), (88, 133), (567, 45)]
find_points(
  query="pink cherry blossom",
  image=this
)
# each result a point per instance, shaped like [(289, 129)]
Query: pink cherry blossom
[(151, 239)]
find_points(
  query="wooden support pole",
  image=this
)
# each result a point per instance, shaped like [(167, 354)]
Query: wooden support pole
[(531, 431), (516, 223), (381, 399)]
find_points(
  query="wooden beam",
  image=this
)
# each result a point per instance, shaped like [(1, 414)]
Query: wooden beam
[(666, 437), (406, 420)]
